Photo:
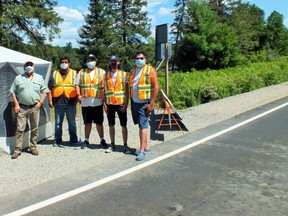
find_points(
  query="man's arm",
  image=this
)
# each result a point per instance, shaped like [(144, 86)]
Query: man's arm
[(16, 104), (155, 89)]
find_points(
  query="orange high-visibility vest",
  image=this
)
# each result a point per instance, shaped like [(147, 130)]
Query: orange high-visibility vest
[(66, 86), (92, 88), (144, 83), (115, 94)]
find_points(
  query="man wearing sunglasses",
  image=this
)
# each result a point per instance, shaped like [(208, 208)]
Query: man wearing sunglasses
[(143, 92), (64, 99)]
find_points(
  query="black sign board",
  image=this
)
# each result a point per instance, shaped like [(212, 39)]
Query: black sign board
[(162, 34)]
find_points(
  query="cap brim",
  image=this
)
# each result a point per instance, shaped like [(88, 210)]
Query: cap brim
[(28, 62)]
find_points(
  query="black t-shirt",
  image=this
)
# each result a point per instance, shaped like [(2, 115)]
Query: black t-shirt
[(62, 100)]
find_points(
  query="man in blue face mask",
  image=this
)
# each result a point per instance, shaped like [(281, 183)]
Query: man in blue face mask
[(90, 93), (143, 92)]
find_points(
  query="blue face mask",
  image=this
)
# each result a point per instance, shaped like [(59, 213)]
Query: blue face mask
[(91, 65), (139, 62)]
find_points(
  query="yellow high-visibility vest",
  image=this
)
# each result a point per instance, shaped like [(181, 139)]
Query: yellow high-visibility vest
[(144, 84), (92, 88)]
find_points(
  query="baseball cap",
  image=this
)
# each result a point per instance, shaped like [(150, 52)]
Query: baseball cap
[(91, 56), (27, 63), (114, 58)]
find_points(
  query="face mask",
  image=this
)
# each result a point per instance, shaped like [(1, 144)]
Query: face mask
[(64, 66), (139, 62), (113, 65), (29, 69), (91, 65)]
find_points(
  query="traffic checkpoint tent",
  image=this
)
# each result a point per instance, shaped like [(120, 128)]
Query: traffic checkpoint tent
[(11, 65)]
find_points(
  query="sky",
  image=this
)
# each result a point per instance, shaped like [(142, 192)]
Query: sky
[(159, 11)]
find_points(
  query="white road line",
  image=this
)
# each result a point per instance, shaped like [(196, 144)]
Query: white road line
[(95, 184)]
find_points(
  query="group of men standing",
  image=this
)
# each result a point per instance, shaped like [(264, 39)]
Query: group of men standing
[(97, 91)]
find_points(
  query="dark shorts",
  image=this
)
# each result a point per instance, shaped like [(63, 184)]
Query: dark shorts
[(112, 109), (93, 115), (139, 114)]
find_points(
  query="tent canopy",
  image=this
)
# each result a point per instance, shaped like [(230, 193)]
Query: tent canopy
[(11, 65), (8, 55)]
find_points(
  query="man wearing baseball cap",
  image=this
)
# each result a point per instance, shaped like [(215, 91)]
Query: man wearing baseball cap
[(116, 100), (28, 93), (90, 93)]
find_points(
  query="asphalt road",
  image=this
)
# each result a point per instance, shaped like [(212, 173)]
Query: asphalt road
[(241, 172)]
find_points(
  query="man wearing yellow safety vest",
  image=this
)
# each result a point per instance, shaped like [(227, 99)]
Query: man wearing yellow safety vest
[(90, 93), (64, 99), (116, 100), (143, 92)]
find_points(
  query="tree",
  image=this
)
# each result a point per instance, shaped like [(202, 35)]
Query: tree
[(177, 27), (277, 35), (115, 27), (248, 23), (208, 43), (27, 21), (97, 35), (132, 30)]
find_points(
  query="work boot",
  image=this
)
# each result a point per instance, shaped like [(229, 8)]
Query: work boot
[(15, 155), (34, 152)]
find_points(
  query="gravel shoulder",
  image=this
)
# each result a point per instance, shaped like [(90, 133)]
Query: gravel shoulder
[(28, 171)]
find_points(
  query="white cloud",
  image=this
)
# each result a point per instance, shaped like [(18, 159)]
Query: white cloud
[(69, 13), (164, 11), (73, 19)]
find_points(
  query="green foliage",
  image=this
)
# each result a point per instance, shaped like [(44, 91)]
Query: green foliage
[(115, 28), (209, 43), (194, 88), (35, 21)]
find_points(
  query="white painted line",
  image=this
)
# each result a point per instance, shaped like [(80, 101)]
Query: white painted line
[(95, 184)]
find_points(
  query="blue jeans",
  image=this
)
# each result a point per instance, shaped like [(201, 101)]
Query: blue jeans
[(60, 111)]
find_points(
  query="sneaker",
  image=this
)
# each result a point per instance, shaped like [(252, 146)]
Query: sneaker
[(110, 149), (103, 144), (85, 144), (55, 144), (127, 150), (34, 152), (137, 151), (15, 155), (140, 156)]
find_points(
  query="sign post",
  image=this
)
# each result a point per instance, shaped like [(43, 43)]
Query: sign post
[(162, 39)]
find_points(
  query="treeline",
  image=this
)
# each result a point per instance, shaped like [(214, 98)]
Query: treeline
[(225, 33), (205, 34)]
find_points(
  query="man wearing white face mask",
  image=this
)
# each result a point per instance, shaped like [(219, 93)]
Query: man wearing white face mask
[(143, 92), (28, 93), (90, 91), (63, 98)]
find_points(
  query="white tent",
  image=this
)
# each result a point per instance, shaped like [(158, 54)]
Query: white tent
[(11, 64)]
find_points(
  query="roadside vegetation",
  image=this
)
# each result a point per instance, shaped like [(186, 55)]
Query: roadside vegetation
[(196, 87)]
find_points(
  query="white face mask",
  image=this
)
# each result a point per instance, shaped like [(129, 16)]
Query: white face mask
[(29, 69), (91, 65), (64, 66)]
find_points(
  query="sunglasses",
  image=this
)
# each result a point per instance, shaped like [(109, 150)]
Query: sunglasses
[(141, 58)]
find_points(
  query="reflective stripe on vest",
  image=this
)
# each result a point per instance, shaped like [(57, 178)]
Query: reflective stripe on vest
[(92, 88), (115, 94), (144, 85), (66, 86)]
